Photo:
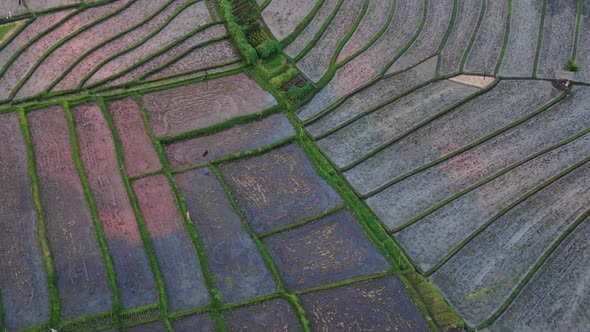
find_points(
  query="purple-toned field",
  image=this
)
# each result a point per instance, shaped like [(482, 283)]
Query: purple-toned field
[(79, 266), (241, 138), (313, 165), (136, 283), (278, 188), (272, 315), (225, 238), (176, 254), (377, 305), (25, 297), (204, 104), (326, 251)]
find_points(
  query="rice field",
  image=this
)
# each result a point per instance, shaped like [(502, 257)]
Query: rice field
[(267, 165)]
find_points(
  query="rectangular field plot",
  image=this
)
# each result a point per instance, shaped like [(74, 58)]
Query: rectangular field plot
[(374, 21), (522, 44), (485, 52), (331, 249), (435, 236), (204, 104), (195, 323), (316, 62), (368, 98), (278, 188), (157, 326), (375, 129), (190, 18), (74, 78), (39, 5), (176, 255), (237, 139), (376, 305), (481, 277), (508, 102), (283, 16), (406, 200), (559, 291), (79, 267), (427, 43), (234, 261), (312, 28), (465, 23), (583, 56), (272, 315), (139, 155), (97, 152), (558, 37), (24, 297)]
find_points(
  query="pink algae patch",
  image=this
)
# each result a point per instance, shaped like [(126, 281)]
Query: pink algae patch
[(139, 155), (97, 152)]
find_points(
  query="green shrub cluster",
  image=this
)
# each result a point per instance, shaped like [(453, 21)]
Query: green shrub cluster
[(300, 93), (571, 65), (268, 48), (238, 32), (274, 66), (278, 81)]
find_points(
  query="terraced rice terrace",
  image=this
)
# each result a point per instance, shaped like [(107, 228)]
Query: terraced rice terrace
[(276, 165)]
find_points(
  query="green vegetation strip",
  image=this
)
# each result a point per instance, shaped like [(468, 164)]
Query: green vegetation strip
[(119, 91), (15, 33), (264, 252), (216, 298), (374, 38), (506, 39), (54, 305), (443, 43), (349, 34), (239, 155), (578, 28), (237, 32), (303, 222), (5, 29), (410, 42), (474, 34), (540, 39), (100, 237)]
